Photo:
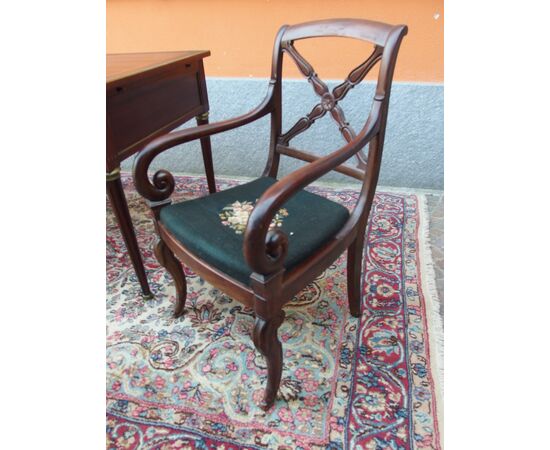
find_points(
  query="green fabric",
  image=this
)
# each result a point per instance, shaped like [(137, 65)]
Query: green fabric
[(311, 219)]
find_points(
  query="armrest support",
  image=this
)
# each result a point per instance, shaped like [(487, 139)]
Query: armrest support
[(163, 183), (266, 250)]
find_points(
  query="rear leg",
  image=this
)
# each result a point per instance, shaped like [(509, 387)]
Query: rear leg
[(355, 260)]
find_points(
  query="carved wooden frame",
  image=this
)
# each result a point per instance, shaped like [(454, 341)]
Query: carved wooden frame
[(271, 286)]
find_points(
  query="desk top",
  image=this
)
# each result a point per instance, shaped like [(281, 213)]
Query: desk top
[(125, 65)]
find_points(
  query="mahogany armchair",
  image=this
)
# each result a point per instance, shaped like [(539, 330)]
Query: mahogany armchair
[(291, 235)]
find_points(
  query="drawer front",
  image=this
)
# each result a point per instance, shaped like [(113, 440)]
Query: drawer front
[(137, 112)]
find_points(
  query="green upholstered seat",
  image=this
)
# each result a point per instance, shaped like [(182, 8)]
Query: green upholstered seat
[(309, 221)]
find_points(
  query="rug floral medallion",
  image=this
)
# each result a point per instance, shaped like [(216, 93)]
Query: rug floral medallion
[(197, 381)]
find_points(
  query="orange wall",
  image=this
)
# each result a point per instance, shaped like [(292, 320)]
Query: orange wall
[(240, 33)]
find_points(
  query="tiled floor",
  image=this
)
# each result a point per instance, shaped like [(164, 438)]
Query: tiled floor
[(435, 209)]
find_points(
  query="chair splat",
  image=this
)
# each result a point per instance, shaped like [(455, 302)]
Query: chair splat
[(329, 100)]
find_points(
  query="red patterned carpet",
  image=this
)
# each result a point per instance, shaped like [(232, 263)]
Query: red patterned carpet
[(196, 382)]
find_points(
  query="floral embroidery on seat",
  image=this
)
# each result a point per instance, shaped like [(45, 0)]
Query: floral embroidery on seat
[(236, 216)]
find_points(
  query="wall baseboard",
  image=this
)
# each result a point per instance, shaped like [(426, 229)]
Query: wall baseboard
[(413, 152)]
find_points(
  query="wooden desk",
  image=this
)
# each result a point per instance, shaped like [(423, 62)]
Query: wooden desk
[(149, 94)]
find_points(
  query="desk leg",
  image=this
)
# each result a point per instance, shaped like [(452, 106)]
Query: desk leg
[(207, 155), (120, 207)]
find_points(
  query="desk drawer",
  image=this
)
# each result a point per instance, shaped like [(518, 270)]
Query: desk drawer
[(139, 110)]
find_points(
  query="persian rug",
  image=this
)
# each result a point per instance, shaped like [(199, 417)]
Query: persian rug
[(197, 381)]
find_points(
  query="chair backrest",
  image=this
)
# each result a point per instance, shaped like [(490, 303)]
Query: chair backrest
[(386, 40)]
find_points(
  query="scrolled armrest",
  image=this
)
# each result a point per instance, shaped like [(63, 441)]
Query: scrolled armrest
[(162, 184), (265, 250)]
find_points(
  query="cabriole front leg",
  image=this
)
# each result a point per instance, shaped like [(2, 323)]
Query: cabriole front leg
[(269, 317), (267, 342), (168, 260)]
